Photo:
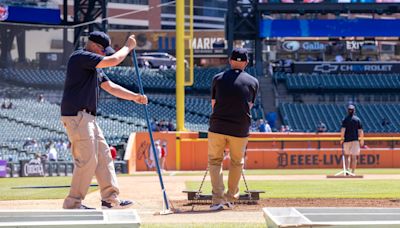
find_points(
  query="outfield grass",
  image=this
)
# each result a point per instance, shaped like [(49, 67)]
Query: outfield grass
[(203, 225), (276, 172), (370, 189), (8, 193)]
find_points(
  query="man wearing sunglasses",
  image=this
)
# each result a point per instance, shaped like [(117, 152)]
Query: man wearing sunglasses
[(89, 148)]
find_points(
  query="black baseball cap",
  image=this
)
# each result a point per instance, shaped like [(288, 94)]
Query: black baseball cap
[(102, 39), (351, 107), (239, 54)]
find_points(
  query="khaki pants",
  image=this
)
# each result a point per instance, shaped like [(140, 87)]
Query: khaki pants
[(216, 146), (91, 157), (351, 148)]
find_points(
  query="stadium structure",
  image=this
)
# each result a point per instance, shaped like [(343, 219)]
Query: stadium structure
[(312, 60)]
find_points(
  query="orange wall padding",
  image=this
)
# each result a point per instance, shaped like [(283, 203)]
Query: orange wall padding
[(274, 154)]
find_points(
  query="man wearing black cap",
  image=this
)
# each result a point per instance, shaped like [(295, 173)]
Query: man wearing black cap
[(233, 94), (351, 137), (90, 150)]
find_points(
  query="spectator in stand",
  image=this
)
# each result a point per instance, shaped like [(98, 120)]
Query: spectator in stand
[(261, 126), (321, 127), (7, 105), (267, 127), (40, 98), (339, 58), (52, 153), (385, 122), (171, 126), (30, 144), (154, 125)]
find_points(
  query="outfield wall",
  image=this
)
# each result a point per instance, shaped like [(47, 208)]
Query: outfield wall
[(186, 151)]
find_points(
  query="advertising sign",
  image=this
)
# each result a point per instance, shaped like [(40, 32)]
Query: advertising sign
[(210, 42), (309, 46), (346, 67), (31, 168), (3, 168), (30, 14)]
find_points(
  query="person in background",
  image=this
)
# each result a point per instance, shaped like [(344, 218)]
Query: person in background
[(351, 138), (113, 152), (163, 155), (52, 153), (321, 127)]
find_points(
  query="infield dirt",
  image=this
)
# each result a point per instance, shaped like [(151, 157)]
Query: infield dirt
[(146, 192)]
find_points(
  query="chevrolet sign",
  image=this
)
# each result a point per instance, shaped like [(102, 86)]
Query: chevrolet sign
[(346, 67)]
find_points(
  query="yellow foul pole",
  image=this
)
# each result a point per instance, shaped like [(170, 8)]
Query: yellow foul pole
[(180, 76), (180, 65)]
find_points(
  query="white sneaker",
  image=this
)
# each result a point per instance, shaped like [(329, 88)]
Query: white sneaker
[(229, 205), (216, 207)]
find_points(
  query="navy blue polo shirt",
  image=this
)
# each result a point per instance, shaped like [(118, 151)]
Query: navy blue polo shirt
[(232, 91), (352, 124), (82, 83)]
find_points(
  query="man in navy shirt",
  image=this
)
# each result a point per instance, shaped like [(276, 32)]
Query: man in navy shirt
[(90, 150), (232, 96), (351, 137)]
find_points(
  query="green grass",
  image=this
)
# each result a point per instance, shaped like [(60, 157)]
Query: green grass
[(209, 225), (370, 189), (8, 193), (276, 172)]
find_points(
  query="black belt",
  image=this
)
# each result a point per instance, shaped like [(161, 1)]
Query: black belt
[(89, 112)]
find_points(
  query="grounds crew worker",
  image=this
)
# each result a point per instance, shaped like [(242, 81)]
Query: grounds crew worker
[(233, 94), (90, 150), (351, 137)]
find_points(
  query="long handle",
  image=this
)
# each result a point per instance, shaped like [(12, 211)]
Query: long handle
[(344, 161), (150, 131)]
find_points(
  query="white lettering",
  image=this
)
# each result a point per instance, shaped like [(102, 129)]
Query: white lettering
[(199, 44), (354, 45), (207, 43), (212, 41), (345, 68), (194, 43), (33, 167), (313, 46), (378, 67)]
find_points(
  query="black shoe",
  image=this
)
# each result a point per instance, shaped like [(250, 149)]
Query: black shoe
[(83, 207), (229, 205), (122, 204)]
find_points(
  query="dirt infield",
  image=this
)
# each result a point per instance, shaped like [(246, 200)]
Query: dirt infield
[(184, 206), (145, 190)]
